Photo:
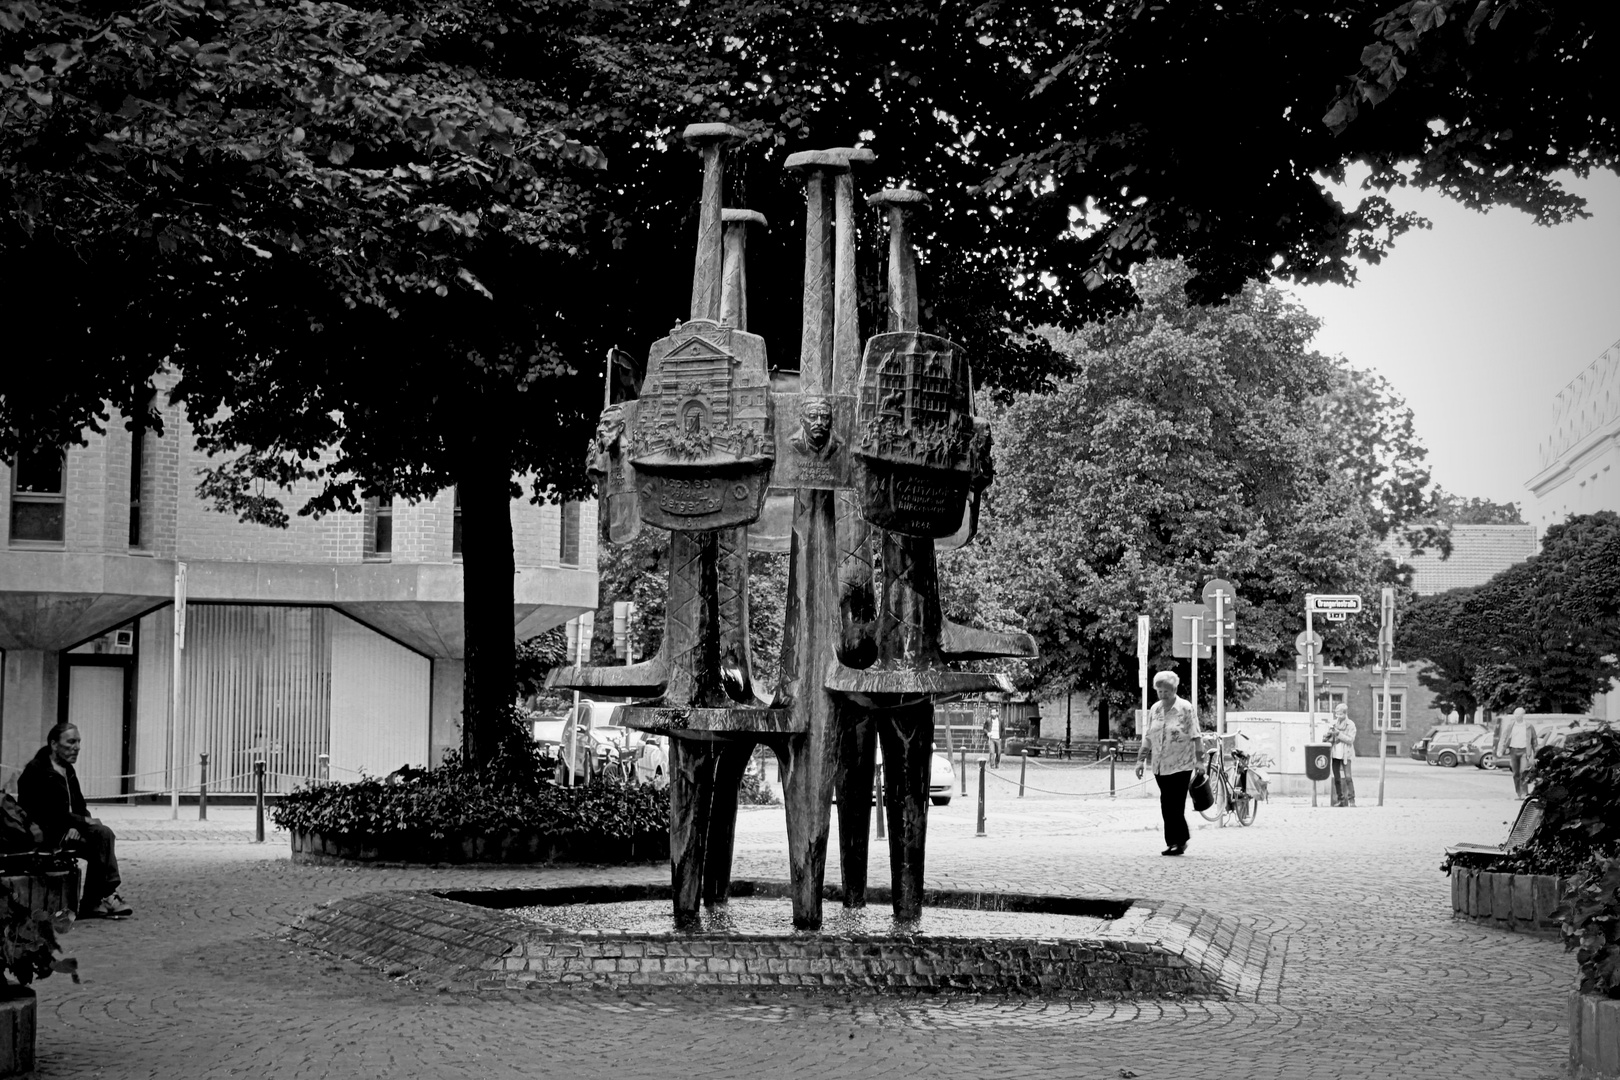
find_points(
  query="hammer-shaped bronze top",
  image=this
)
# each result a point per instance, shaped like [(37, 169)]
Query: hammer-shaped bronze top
[(837, 157), (700, 133)]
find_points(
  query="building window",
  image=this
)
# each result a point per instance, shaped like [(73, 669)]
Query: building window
[(455, 523), (382, 528), (1397, 710), (37, 503), (569, 547), (137, 478)]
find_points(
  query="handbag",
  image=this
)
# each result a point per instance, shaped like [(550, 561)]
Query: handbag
[(1202, 797)]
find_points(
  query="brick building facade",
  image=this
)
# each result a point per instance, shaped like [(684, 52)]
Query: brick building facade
[(333, 643)]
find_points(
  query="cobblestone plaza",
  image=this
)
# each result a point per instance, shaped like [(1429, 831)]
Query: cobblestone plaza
[(1376, 979)]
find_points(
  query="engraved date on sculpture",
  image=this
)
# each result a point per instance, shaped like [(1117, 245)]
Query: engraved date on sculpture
[(689, 497)]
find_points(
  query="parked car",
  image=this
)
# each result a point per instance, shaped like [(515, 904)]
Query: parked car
[(1446, 743), (1481, 753), (941, 779), (1420, 749)]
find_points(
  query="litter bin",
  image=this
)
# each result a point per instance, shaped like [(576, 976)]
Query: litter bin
[(1317, 766)]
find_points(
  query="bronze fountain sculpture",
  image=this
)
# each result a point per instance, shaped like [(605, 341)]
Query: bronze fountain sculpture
[(874, 457)]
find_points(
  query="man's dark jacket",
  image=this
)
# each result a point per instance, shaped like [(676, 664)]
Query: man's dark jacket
[(53, 801)]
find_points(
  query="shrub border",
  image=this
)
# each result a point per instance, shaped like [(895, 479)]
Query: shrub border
[(518, 847)]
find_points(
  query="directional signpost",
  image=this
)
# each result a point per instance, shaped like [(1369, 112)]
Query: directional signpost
[(1221, 598), (1190, 637), (1335, 607)]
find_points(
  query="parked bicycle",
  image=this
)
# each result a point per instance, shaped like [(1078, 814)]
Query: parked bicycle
[(1237, 779)]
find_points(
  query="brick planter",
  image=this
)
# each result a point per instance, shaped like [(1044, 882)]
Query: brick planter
[(531, 847), (1521, 903), (1594, 1037), (17, 1012)]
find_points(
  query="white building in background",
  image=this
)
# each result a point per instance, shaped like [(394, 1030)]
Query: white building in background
[(339, 637), (1580, 462), (1580, 458)]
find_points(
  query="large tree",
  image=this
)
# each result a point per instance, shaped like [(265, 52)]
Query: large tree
[(1544, 634), (1188, 444), (281, 199)]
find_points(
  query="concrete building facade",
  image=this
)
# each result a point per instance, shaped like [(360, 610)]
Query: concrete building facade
[(1578, 473), (334, 643)]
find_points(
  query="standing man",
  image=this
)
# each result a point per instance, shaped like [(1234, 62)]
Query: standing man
[(1342, 735), (1518, 739), (48, 790), (992, 735)]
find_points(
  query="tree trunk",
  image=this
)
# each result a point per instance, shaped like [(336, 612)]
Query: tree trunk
[(1102, 714), (487, 569)]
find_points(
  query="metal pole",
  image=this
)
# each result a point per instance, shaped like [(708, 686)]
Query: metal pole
[(258, 802), (1220, 665), (1383, 736), (175, 690), (1023, 768), (981, 798), (1310, 681), (202, 787), (1197, 626), (963, 763), (1113, 756)]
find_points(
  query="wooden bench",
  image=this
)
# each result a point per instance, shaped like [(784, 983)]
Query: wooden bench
[(1524, 827)]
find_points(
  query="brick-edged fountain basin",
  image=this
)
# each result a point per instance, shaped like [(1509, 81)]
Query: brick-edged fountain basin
[(620, 937)]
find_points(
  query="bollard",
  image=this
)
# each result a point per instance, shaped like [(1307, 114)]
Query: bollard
[(1113, 756), (962, 764), (1023, 768), (879, 802), (981, 797), (258, 802), (202, 788)]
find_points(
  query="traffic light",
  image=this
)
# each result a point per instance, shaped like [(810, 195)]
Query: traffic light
[(1386, 627), (571, 635)]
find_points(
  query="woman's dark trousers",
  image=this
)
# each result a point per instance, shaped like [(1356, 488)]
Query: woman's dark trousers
[(1173, 805)]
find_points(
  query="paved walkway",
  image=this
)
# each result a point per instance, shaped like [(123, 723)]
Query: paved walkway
[(1378, 981)]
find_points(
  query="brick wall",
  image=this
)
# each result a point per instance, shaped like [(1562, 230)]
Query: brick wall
[(177, 523)]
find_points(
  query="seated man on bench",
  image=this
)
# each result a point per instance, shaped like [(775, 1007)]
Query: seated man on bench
[(48, 790)]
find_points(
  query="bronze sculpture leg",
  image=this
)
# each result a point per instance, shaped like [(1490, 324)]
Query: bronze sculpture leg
[(691, 791), (907, 734), (856, 762), (729, 761)]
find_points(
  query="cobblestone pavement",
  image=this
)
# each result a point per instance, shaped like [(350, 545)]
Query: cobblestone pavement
[(1377, 979)]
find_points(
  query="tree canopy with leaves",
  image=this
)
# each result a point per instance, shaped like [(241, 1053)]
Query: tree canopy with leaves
[(383, 243), (1544, 634), (1189, 444)]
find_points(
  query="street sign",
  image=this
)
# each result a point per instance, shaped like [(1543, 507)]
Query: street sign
[(1335, 616), (1225, 630), (1347, 604), (1219, 586), (1191, 629), (1305, 643)]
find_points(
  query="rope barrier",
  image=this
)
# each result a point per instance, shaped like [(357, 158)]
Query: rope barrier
[(1071, 794)]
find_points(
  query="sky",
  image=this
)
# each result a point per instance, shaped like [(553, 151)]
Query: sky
[(1478, 323)]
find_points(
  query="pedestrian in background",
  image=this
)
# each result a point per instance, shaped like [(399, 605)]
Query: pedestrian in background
[(1519, 741), (1342, 737), (1170, 746)]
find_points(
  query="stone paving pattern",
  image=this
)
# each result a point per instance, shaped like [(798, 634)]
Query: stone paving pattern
[(1372, 977)]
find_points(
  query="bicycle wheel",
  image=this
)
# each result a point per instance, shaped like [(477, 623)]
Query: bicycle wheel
[(1247, 804), (1223, 795)]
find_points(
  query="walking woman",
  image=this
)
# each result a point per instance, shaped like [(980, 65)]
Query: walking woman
[(1170, 746)]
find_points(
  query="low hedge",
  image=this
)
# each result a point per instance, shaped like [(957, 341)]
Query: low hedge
[(513, 794)]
